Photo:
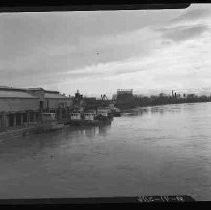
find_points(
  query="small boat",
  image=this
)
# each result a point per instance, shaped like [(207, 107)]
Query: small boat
[(49, 123)]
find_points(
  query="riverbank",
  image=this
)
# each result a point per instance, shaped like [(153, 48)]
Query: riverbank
[(160, 104)]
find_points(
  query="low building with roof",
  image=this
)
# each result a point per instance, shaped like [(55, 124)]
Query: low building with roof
[(52, 101), (17, 107), (22, 106)]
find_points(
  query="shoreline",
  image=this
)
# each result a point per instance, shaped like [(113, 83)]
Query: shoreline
[(153, 105), (25, 131)]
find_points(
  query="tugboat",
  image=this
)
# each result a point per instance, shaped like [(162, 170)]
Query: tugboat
[(81, 117), (75, 119), (90, 119), (114, 110), (48, 123)]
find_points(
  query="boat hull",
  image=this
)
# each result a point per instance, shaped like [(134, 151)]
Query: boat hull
[(117, 114), (46, 128), (89, 122)]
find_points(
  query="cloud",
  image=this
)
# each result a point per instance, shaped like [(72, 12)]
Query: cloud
[(189, 24), (177, 66), (107, 50), (85, 60), (30, 33), (181, 33), (109, 69), (193, 14)]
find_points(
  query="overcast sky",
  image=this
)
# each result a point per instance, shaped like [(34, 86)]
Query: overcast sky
[(99, 52)]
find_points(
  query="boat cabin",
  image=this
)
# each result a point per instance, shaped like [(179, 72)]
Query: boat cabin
[(104, 109), (89, 116), (75, 116), (103, 113), (111, 106), (92, 111), (116, 109)]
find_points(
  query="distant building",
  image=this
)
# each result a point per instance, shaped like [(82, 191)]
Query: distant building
[(78, 101), (190, 96), (125, 98), (92, 103), (121, 92)]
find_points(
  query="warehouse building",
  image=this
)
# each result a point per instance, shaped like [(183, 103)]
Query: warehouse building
[(20, 107), (17, 108), (52, 101)]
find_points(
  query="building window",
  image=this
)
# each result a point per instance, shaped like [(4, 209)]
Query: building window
[(31, 116), (18, 119), (47, 104), (41, 105), (25, 118), (11, 120)]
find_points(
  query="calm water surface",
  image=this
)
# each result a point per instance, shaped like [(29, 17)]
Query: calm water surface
[(155, 150)]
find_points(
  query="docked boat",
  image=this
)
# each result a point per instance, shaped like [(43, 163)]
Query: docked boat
[(75, 119), (86, 119), (49, 123), (116, 112), (79, 119), (104, 114)]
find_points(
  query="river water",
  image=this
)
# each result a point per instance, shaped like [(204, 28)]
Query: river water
[(158, 150)]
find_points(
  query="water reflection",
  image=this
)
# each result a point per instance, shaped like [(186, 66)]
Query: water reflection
[(103, 130), (175, 109), (91, 132), (159, 110), (136, 112), (31, 145)]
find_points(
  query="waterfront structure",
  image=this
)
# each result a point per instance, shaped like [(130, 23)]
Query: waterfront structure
[(92, 103), (78, 102), (52, 101), (17, 108), (20, 107), (125, 98)]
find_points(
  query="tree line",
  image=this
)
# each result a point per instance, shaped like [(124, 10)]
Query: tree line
[(161, 99), (166, 99)]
